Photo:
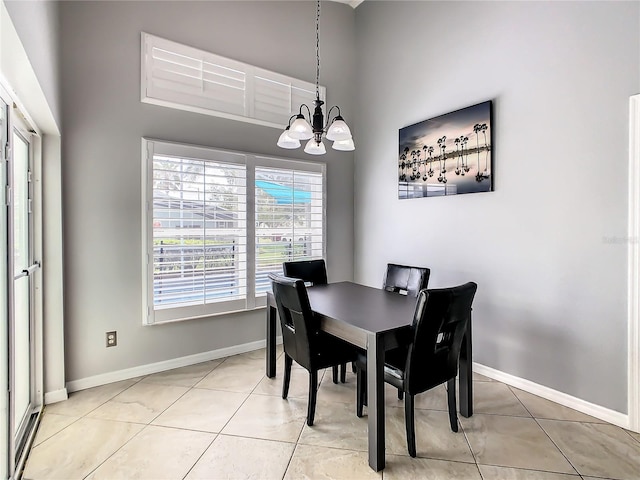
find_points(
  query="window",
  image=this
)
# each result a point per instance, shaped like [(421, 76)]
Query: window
[(178, 76), (217, 222), (289, 219)]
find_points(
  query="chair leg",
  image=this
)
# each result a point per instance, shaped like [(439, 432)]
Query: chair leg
[(287, 375), (334, 370), (409, 421), (400, 394), (343, 373), (313, 393), (353, 367), (451, 394), (361, 387)]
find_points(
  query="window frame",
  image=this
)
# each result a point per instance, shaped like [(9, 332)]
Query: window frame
[(251, 161)]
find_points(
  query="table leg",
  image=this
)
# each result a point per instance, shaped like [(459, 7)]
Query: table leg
[(271, 340), (375, 403), (465, 374)]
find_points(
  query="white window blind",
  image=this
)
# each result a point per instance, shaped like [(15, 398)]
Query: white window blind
[(289, 219), (178, 76), (216, 223)]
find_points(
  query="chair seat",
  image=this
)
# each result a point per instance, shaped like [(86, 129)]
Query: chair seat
[(335, 351), (392, 375)]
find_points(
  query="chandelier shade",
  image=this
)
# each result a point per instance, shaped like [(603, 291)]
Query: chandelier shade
[(338, 130), (315, 148), (300, 129), (287, 141), (312, 127), (344, 145)]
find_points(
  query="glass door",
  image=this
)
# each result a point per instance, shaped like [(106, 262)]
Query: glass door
[(24, 404), (22, 285)]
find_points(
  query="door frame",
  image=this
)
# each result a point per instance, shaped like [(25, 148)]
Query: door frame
[(20, 121), (634, 265)]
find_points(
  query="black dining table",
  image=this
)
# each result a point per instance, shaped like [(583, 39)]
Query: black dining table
[(374, 320)]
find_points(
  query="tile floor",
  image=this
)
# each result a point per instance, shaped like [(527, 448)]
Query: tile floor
[(225, 420)]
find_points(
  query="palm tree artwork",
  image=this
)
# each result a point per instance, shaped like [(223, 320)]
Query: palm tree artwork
[(429, 150), (458, 155), (483, 129), (477, 128), (443, 138), (465, 165), (404, 164), (442, 178), (427, 173)]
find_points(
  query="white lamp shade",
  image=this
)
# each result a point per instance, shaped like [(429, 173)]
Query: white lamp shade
[(285, 141), (313, 148), (338, 130), (344, 145), (300, 129)]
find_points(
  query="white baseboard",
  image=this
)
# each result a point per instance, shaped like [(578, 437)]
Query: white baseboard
[(597, 411), (116, 376), (55, 396)]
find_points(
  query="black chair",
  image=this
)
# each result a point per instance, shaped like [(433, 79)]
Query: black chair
[(309, 271), (303, 340), (406, 279), (313, 272), (430, 357)]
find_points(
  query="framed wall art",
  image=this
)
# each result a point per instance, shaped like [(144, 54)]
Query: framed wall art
[(447, 155)]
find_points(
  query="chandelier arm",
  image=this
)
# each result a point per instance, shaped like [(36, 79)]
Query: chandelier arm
[(329, 120), (308, 111)]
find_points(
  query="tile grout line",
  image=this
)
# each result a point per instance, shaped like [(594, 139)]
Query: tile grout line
[(201, 455), (542, 428), (145, 425)]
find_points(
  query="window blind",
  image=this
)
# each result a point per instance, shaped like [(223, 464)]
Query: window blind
[(199, 223), (289, 219), (178, 76)]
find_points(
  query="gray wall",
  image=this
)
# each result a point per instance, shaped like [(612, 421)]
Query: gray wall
[(103, 122), (37, 25), (552, 297)]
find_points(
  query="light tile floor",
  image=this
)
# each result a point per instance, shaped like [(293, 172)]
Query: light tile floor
[(225, 420)]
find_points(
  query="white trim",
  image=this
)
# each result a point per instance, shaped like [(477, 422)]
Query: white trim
[(141, 370), (634, 265), (597, 411), (55, 396)]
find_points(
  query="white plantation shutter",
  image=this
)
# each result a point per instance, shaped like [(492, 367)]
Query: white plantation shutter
[(178, 76), (198, 238), (289, 219), (217, 222)]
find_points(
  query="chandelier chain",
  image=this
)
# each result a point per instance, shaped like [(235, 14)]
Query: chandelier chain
[(318, 51)]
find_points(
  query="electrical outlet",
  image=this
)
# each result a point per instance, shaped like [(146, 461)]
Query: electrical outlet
[(112, 339)]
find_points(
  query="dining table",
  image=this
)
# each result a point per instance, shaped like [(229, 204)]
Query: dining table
[(375, 320)]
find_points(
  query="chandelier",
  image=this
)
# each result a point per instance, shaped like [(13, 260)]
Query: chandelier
[(312, 127)]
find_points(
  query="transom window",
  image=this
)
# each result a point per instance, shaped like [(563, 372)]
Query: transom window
[(217, 222)]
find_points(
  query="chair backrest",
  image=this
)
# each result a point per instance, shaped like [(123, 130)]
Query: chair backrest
[(439, 325), (406, 279), (309, 271), (299, 325)]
